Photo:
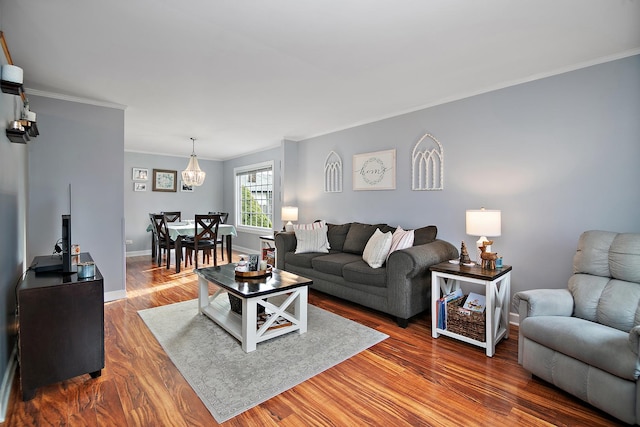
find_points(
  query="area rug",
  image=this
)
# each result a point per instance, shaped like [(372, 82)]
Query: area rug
[(230, 381)]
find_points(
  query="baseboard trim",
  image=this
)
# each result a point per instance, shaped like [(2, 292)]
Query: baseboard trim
[(138, 253), (115, 295), (243, 250), (7, 382), (514, 318)]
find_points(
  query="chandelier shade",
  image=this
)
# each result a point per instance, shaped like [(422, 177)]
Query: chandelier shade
[(192, 175)]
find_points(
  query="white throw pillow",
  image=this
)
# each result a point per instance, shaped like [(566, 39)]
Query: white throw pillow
[(377, 249), (401, 239), (312, 239), (313, 226)]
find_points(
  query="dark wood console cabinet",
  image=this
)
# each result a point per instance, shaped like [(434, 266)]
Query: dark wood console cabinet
[(61, 328)]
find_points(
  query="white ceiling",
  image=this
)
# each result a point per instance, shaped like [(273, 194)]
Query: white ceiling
[(242, 75)]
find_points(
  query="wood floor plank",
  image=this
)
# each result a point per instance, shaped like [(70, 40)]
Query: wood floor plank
[(409, 379)]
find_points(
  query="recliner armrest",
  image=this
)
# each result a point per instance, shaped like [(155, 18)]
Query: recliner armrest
[(634, 339), (543, 302)]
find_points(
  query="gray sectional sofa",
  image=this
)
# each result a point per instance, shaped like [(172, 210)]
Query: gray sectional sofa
[(401, 287)]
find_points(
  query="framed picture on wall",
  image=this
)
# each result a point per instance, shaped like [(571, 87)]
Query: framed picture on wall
[(185, 188), (140, 174), (164, 180), (375, 171), (139, 186)]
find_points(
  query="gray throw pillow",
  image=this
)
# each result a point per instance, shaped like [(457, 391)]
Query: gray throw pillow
[(337, 234), (357, 237), (425, 235)]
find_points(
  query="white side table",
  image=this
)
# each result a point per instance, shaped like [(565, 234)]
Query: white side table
[(267, 242), (447, 277)]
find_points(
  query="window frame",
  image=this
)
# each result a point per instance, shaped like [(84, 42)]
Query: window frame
[(243, 170)]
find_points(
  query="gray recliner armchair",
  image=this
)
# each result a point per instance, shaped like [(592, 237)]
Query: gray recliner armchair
[(585, 339)]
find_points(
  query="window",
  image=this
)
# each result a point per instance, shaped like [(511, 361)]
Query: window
[(254, 196)]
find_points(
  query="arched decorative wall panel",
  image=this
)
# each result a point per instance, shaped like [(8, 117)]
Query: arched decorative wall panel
[(427, 164), (333, 173)]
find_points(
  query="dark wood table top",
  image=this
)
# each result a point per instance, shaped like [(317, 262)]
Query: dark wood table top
[(55, 278), (225, 277), (474, 271)]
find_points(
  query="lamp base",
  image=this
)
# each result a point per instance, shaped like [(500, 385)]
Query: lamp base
[(288, 226)]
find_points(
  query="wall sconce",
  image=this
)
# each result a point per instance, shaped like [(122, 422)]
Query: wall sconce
[(483, 222), (289, 213)]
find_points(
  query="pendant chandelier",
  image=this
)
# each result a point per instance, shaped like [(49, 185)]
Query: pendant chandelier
[(192, 175)]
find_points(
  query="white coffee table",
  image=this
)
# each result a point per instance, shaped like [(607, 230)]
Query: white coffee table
[(292, 289)]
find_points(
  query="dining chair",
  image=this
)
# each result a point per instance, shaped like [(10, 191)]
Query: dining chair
[(172, 216), (161, 234), (223, 220), (154, 238), (204, 238)]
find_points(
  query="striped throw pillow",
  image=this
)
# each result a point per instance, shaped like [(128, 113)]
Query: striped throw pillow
[(311, 237)]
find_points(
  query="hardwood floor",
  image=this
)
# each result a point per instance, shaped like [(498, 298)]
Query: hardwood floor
[(408, 379)]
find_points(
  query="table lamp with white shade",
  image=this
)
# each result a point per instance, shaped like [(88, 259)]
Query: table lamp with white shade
[(289, 213), (484, 223)]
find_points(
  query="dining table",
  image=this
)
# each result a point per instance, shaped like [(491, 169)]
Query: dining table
[(180, 229)]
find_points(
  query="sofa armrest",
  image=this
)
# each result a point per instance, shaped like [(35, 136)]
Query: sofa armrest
[(416, 260), (409, 278), (285, 242)]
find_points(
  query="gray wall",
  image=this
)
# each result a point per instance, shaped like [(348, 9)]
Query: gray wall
[(81, 145), (13, 207), (138, 204), (558, 156)]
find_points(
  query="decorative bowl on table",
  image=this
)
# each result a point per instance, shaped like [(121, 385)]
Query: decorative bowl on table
[(241, 272)]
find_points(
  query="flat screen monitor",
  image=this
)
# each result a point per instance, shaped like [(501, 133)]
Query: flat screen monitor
[(55, 263), (67, 264)]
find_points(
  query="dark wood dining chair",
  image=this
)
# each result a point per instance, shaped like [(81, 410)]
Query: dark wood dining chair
[(154, 238), (172, 216), (204, 239), (161, 234), (223, 220)]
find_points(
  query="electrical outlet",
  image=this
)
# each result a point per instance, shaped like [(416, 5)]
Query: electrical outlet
[(129, 242)]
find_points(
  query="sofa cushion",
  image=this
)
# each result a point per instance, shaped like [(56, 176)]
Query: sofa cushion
[(425, 235), (333, 263), (360, 272), (592, 343), (614, 303), (357, 237), (301, 260), (337, 234), (592, 256), (624, 257), (385, 228), (377, 248)]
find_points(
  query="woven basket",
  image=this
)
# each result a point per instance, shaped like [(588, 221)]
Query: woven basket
[(465, 322), (236, 305)]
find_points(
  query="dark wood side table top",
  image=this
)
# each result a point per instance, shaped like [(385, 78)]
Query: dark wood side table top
[(474, 271)]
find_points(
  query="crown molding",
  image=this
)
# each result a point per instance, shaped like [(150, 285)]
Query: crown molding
[(78, 99)]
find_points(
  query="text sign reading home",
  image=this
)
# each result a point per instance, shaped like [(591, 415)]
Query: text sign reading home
[(375, 171)]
